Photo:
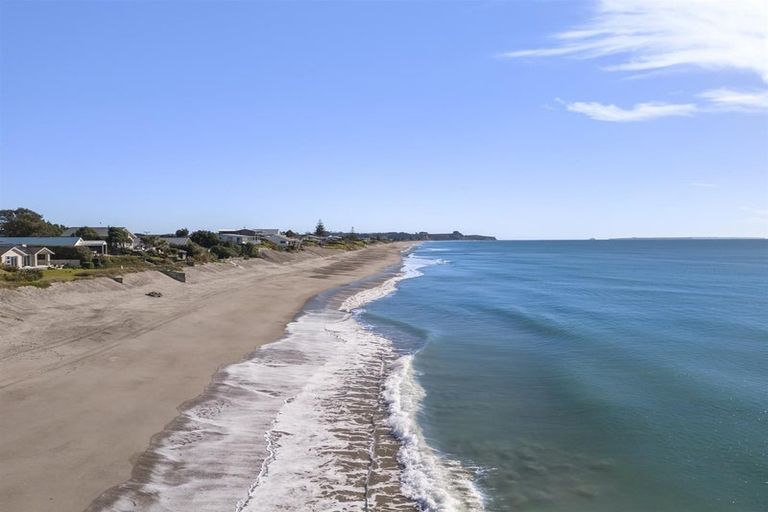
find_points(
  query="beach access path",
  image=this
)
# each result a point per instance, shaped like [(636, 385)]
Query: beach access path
[(90, 370)]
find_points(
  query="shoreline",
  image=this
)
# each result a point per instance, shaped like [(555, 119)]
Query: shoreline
[(77, 417), (263, 433)]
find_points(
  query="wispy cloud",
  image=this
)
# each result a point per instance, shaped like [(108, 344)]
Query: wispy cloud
[(639, 112), (653, 35), (746, 101)]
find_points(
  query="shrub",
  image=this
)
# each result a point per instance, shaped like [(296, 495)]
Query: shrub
[(86, 264), (121, 261), (269, 245), (249, 250), (223, 251), (25, 275)]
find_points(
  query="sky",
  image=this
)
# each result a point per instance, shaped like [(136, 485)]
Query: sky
[(519, 119)]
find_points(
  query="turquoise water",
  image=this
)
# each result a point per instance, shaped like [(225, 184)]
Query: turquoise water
[(593, 375)]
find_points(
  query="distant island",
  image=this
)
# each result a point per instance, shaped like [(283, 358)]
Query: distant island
[(422, 235), (687, 238)]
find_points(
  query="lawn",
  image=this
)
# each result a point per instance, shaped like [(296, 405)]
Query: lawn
[(60, 275)]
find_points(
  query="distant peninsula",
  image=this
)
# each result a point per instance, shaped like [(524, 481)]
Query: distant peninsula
[(422, 235)]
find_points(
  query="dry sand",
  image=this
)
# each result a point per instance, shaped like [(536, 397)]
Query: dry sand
[(90, 370)]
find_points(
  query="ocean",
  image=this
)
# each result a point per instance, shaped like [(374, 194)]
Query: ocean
[(583, 376), (618, 375)]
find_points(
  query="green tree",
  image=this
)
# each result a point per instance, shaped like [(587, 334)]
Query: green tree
[(25, 222), (155, 242), (87, 233), (117, 238), (84, 255), (320, 228), (205, 238), (182, 232), (149, 240)]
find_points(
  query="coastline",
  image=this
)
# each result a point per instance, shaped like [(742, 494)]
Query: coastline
[(79, 367)]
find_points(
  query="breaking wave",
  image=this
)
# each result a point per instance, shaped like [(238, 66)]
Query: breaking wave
[(435, 482), (322, 420)]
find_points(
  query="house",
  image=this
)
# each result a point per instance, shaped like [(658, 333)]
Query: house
[(37, 256), (267, 231), (283, 242), (104, 233), (97, 246), (25, 256), (255, 236), (11, 256), (240, 236)]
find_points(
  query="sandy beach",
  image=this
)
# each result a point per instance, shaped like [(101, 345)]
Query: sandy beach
[(91, 370)]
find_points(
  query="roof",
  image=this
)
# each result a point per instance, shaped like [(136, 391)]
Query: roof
[(241, 232), (4, 248), (175, 240), (36, 249), (249, 232), (93, 243), (41, 241)]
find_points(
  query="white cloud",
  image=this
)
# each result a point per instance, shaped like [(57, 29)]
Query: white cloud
[(639, 112), (729, 99), (653, 35)]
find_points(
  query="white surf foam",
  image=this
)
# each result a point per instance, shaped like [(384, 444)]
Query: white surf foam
[(301, 425), (436, 482), (411, 266)]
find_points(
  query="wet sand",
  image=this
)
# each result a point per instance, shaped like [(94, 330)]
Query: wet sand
[(90, 371)]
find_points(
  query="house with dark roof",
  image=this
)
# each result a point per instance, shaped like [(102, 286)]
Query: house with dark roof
[(25, 256), (11, 256), (97, 246), (240, 236)]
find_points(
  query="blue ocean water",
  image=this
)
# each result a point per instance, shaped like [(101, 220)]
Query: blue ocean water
[(620, 375)]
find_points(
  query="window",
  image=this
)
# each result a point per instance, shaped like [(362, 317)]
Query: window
[(12, 261)]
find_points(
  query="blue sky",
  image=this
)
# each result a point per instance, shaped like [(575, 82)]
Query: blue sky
[(642, 120)]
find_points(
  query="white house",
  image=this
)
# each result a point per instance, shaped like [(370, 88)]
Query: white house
[(283, 241), (25, 256), (98, 246), (12, 256), (240, 236)]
